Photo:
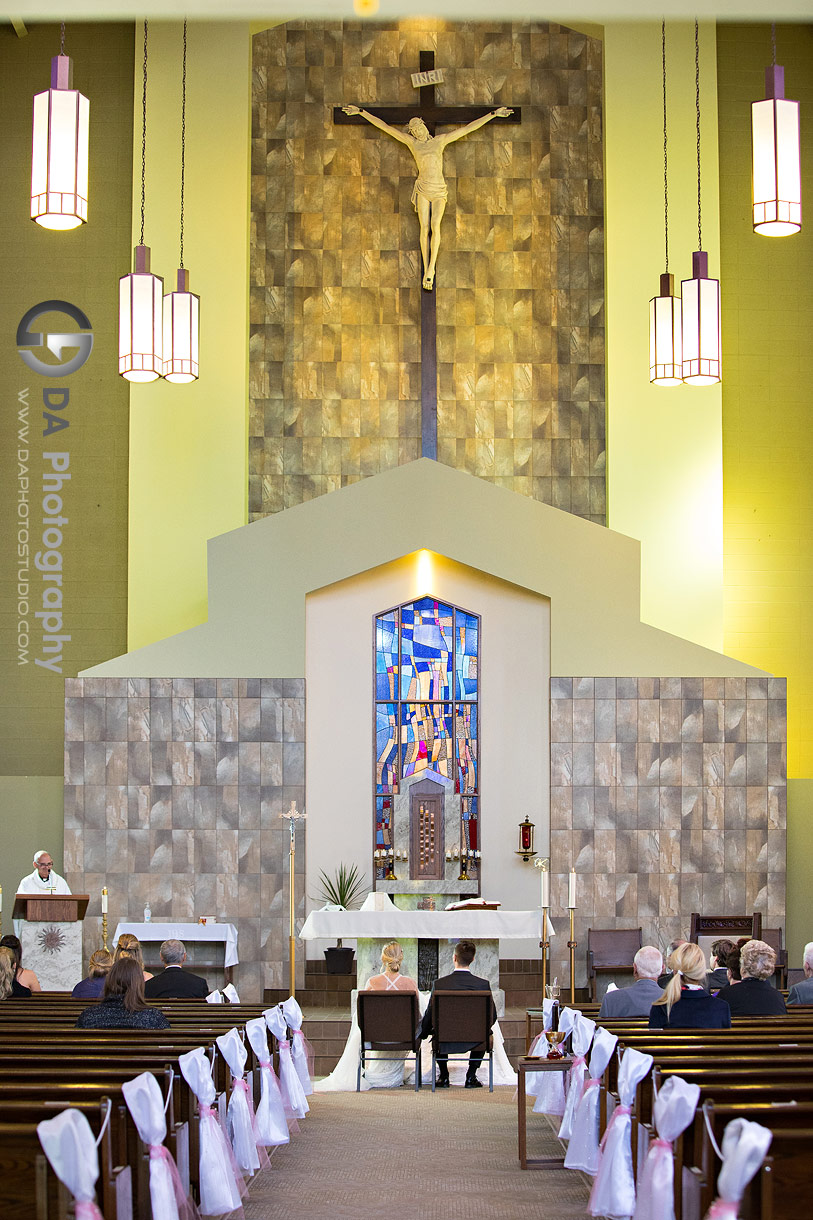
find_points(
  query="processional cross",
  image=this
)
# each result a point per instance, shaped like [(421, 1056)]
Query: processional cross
[(429, 199)]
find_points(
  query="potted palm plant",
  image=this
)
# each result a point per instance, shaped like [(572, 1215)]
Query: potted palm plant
[(344, 889)]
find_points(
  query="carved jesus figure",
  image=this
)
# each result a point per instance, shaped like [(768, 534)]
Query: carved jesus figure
[(430, 192)]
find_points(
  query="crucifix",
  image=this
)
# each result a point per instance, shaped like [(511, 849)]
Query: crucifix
[(429, 199)]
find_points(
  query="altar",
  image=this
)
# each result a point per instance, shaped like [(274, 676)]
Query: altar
[(372, 929)]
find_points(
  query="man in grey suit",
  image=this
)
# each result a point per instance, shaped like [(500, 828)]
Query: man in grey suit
[(636, 1001), (802, 993)]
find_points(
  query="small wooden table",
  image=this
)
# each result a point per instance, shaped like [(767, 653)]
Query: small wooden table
[(524, 1066)]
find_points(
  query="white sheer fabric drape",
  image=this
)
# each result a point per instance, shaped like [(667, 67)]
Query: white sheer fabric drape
[(238, 1115), (613, 1193), (300, 1046), (582, 1036), (272, 1126), (220, 1190), (145, 1102), (583, 1150), (70, 1147), (745, 1145), (674, 1109), (293, 1095), (549, 1087)]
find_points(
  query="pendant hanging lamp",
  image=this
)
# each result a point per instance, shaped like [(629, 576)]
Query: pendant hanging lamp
[(59, 155), (700, 295), (141, 293), (665, 340), (182, 307), (776, 177)]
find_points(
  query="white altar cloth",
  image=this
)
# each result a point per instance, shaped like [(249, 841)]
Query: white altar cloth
[(424, 925), (156, 933)]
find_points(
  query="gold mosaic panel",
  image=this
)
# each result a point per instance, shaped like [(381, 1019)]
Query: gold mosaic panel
[(335, 288)]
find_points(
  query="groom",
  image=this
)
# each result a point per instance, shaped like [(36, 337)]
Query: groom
[(461, 979)]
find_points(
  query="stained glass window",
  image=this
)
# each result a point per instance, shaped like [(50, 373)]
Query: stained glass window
[(426, 707)]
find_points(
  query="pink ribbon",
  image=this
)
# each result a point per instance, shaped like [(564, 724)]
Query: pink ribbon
[(617, 1112), (308, 1050), (86, 1209), (187, 1210), (579, 1061), (723, 1209), (205, 1111), (241, 1083), (590, 1082)]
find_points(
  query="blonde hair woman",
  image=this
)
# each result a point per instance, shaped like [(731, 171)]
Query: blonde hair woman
[(685, 1003), (8, 968), (130, 946), (390, 978)]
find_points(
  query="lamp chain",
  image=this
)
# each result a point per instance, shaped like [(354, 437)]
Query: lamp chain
[(773, 41), (183, 135), (697, 106), (665, 158), (144, 137), (62, 40)]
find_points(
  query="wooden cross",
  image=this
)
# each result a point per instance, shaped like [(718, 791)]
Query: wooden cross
[(433, 115)]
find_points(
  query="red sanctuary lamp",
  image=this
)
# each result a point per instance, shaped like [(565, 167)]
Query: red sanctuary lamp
[(526, 840)]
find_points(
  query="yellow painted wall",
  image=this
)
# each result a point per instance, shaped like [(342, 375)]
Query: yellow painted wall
[(31, 807), (188, 443), (664, 446), (768, 448)]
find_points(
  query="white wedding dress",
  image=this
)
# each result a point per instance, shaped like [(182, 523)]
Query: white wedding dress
[(389, 1073)]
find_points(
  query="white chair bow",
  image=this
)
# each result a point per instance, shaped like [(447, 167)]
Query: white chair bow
[(230, 993), (613, 1193), (293, 1095), (583, 1149), (214, 997), (583, 1030), (70, 1147), (745, 1145), (549, 1087), (239, 1116), (271, 1127), (145, 1102), (221, 1184), (674, 1109), (301, 1050)]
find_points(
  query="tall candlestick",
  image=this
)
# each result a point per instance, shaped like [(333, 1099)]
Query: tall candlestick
[(104, 900), (571, 888), (544, 886)]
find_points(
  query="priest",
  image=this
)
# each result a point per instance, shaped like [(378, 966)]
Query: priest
[(43, 880)]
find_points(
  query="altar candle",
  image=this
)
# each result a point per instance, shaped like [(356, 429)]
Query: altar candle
[(104, 901), (1, 897), (544, 883), (571, 888)]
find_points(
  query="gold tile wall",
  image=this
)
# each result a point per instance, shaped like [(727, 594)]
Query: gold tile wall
[(335, 289)]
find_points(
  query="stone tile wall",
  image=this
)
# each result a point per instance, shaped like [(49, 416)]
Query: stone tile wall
[(668, 797), (335, 267), (173, 791)]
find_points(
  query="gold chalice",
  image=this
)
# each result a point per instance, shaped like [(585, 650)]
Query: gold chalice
[(555, 1038)]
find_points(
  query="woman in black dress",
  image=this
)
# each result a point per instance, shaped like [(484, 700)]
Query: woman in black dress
[(685, 1004), (122, 1005)]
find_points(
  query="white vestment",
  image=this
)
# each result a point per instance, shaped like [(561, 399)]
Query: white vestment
[(34, 884)]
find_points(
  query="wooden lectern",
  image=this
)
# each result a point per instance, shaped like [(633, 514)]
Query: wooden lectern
[(55, 908)]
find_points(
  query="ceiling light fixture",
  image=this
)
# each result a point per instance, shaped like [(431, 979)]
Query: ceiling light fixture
[(665, 343), (776, 177), (182, 307), (59, 156)]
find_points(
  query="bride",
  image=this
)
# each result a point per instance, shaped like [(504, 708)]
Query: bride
[(389, 1073)]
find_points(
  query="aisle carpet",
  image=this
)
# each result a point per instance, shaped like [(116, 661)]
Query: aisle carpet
[(394, 1154)]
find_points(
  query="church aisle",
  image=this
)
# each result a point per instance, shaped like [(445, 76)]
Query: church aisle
[(397, 1155)]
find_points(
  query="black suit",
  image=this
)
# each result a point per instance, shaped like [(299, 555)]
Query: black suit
[(753, 998), (459, 980), (176, 984)]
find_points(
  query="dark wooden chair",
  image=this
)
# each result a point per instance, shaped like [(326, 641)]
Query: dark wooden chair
[(463, 1017), (388, 1023), (773, 937), (704, 930), (610, 951)]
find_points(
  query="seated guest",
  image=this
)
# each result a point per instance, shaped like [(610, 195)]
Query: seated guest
[(122, 1005), (130, 946), (461, 979), (26, 978), (685, 1004), (802, 993), (173, 982), (636, 1001), (718, 974), (9, 987), (98, 968), (390, 978), (664, 978), (754, 996)]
